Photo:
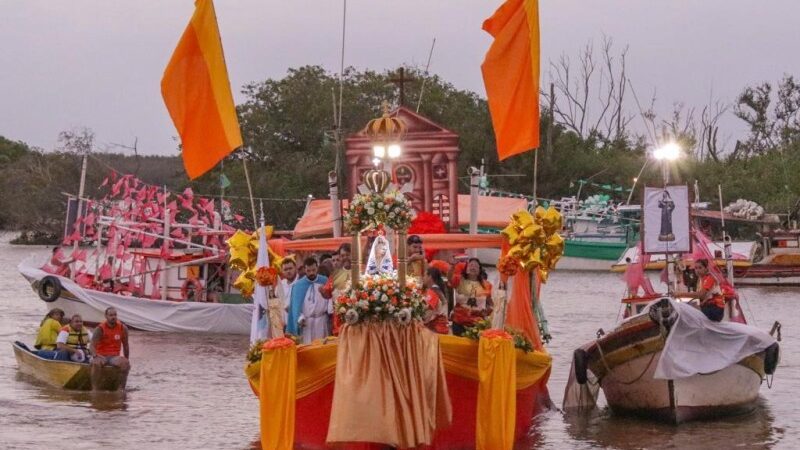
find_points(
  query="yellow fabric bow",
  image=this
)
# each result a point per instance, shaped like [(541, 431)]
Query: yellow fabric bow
[(534, 240)]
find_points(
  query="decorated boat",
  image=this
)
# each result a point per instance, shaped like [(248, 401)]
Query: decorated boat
[(386, 379), (666, 360), (65, 374), (158, 257)]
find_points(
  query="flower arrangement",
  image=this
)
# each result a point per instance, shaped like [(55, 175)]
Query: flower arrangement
[(381, 298), (508, 265), (369, 210), (484, 326), (254, 353), (267, 276)]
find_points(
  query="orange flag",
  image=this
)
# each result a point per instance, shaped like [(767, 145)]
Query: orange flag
[(511, 75), (198, 96)]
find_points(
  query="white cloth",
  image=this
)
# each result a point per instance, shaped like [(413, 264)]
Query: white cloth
[(315, 315), (62, 337), (154, 315), (696, 345), (385, 265), (259, 324), (283, 291)]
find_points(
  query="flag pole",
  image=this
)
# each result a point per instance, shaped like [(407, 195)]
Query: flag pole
[(250, 192)]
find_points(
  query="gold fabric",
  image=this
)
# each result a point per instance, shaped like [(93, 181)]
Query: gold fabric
[(316, 364), (460, 356), (316, 368), (497, 399), (390, 386), (277, 399)]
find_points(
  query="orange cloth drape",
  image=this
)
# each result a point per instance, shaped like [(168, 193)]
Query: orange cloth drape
[(511, 76), (197, 94), (519, 313), (497, 396), (390, 386), (277, 396)]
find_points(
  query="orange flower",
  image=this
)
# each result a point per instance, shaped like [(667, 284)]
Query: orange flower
[(496, 334), (276, 343)]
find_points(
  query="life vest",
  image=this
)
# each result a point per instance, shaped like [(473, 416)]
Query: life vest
[(77, 339), (110, 342)]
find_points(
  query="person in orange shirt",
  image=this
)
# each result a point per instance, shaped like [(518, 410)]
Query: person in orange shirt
[(712, 300), (108, 339)]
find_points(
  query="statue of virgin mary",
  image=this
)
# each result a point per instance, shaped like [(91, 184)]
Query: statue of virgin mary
[(380, 258)]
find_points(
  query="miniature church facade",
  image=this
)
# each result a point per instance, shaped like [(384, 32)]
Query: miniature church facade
[(428, 164)]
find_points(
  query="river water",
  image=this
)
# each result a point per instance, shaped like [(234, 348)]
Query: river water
[(189, 392)]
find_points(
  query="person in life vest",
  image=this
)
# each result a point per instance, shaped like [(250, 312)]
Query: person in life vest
[(45, 344), (72, 343), (108, 339), (712, 301)]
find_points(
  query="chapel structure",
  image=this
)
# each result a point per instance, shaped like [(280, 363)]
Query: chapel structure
[(428, 163)]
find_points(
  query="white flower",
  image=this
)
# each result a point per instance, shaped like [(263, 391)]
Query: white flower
[(363, 304), (351, 317), (370, 211), (391, 309), (384, 298), (342, 310), (392, 215), (404, 316)]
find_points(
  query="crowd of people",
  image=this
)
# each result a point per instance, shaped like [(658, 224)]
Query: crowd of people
[(458, 293), (70, 340)]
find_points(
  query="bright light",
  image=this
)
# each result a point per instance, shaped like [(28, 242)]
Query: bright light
[(670, 151), (379, 151), (394, 151), (376, 161), (635, 179)]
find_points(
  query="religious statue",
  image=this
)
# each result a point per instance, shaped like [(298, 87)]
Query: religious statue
[(380, 258), (667, 205)]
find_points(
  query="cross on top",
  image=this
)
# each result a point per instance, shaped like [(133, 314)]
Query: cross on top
[(400, 80)]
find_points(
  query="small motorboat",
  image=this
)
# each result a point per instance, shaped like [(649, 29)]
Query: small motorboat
[(65, 374)]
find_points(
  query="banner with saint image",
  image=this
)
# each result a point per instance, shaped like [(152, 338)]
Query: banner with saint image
[(666, 220)]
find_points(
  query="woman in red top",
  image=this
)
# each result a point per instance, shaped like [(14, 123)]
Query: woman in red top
[(436, 318), (712, 301)]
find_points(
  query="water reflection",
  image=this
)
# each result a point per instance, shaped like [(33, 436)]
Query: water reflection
[(602, 428), (99, 401)]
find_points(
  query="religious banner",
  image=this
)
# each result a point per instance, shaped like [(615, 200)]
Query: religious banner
[(666, 220)]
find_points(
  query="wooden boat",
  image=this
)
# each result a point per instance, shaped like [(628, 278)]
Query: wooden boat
[(64, 374), (624, 362)]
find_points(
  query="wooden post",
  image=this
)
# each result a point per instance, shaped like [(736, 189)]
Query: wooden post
[(355, 260), (401, 258)]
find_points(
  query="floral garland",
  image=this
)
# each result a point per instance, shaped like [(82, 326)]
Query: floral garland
[(370, 210), (380, 298), (520, 341)]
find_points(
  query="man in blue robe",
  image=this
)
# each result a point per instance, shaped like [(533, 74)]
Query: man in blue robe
[(309, 311)]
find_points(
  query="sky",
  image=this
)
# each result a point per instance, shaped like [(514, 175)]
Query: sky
[(98, 63)]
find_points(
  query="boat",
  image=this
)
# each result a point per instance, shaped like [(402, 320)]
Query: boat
[(666, 360), (64, 374), (325, 402), (779, 264), (156, 256)]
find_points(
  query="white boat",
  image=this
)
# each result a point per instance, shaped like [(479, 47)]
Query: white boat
[(137, 312), (626, 361)]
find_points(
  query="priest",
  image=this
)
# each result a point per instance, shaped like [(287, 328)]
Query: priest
[(309, 311)]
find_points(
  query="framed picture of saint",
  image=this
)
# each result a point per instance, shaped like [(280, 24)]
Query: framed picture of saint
[(666, 220)]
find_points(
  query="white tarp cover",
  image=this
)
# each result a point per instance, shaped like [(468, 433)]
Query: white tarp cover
[(696, 345), (156, 315)]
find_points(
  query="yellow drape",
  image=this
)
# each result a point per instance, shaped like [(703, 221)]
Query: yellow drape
[(460, 357), (497, 399), (277, 405), (316, 368), (316, 364)]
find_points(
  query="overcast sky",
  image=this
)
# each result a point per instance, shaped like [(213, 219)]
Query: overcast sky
[(98, 63)]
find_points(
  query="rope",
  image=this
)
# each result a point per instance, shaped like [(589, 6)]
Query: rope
[(608, 369)]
